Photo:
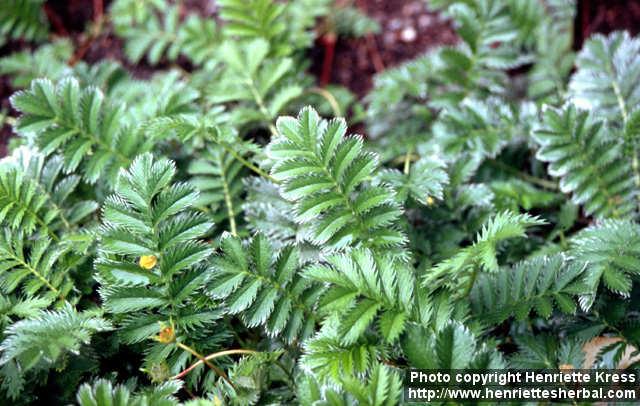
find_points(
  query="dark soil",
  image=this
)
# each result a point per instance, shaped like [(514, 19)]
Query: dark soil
[(606, 16), (70, 16), (408, 29)]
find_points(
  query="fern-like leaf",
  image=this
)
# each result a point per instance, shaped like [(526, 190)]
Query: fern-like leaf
[(250, 76), (264, 288), (50, 335), (332, 361), (611, 250), (607, 76), (323, 173), (49, 60), (34, 266), (365, 287), (77, 122), (102, 392), (586, 160), (424, 183), (218, 176), (539, 283), (462, 269), (149, 217), (253, 19), (382, 387), (199, 40), (58, 189), (23, 207), (545, 351), (23, 19), (145, 31), (452, 347)]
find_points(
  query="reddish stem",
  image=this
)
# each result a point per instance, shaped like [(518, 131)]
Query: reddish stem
[(585, 11), (329, 42), (210, 357), (372, 46), (55, 20), (98, 12)]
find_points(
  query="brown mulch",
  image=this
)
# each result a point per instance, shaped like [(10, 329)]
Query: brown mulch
[(606, 16), (408, 29)]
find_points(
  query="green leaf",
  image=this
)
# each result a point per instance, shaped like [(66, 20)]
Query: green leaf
[(323, 172)]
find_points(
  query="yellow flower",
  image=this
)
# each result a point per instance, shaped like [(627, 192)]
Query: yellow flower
[(430, 201), (166, 335), (148, 261), (217, 401)]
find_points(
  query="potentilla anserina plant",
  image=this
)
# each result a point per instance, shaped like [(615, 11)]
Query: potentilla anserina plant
[(193, 219)]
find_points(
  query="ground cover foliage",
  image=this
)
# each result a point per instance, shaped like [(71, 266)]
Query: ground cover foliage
[(217, 235)]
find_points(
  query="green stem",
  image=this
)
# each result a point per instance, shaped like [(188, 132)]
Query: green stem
[(635, 165), (42, 190), (46, 227), (620, 99), (362, 228), (37, 274), (261, 105), (407, 160), (248, 164), (38, 220), (227, 197), (330, 98), (283, 291), (472, 281), (636, 168), (126, 161), (563, 241)]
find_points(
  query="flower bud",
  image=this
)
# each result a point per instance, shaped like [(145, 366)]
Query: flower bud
[(166, 335), (148, 261)]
